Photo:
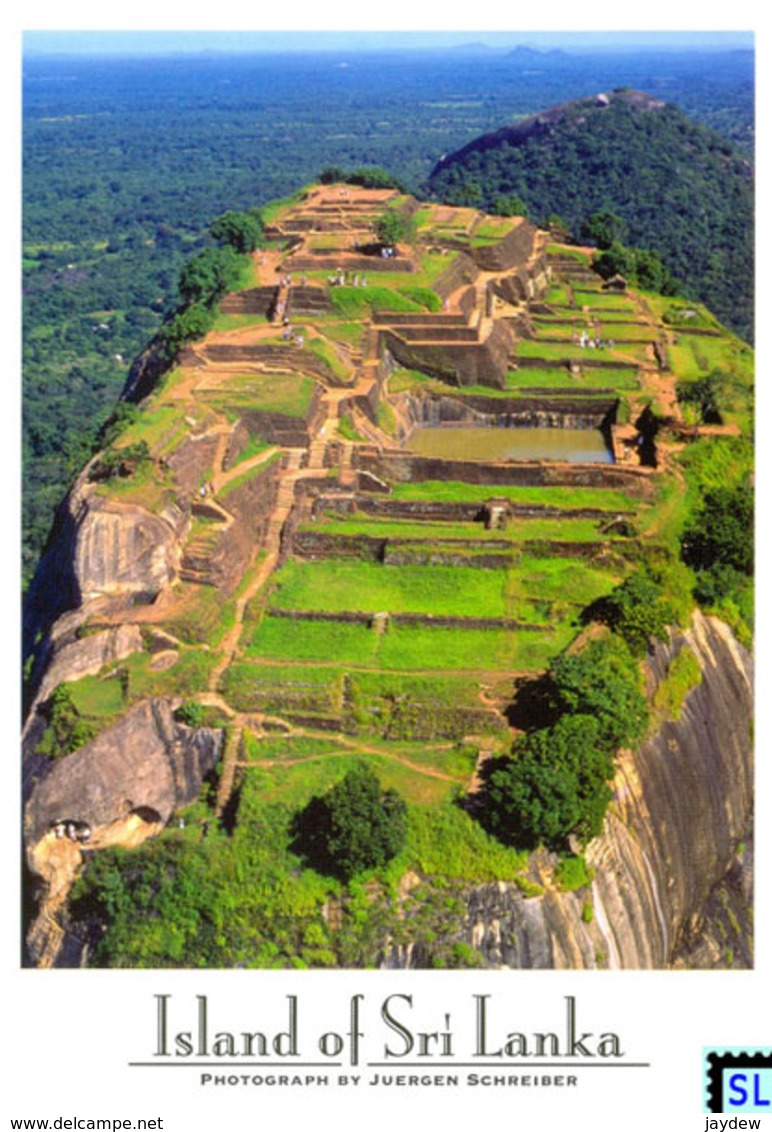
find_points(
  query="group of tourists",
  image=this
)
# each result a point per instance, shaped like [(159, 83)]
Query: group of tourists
[(341, 279), (585, 341)]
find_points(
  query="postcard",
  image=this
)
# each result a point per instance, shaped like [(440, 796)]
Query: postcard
[(390, 745)]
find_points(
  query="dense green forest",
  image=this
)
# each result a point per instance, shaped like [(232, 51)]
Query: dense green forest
[(126, 162), (679, 189)]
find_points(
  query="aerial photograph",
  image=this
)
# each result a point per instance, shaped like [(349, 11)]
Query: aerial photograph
[(388, 492)]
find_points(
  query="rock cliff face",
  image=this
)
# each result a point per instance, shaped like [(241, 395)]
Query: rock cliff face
[(122, 787), (147, 764), (99, 547), (671, 858)]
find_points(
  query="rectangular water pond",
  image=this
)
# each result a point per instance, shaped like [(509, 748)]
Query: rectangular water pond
[(454, 442)]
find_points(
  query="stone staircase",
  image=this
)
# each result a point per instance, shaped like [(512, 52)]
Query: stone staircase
[(197, 558)]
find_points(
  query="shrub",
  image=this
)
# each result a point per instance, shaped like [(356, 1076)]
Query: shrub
[(572, 873), (683, 674)]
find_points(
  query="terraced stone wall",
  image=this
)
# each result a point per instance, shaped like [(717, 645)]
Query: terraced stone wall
[(483, 363), (514, 249), (403, 467)]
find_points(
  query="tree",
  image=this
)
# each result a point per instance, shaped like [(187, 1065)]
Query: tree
[(554, 785), (394, 227), (331, 174), (638, 609), (373, 177), (243, 231), (604, 681), (186, 326), (614, 260), (603, 228), (704, 395), (721, 532), (206, 277), (355, 826), (509, 205), (467, 194)]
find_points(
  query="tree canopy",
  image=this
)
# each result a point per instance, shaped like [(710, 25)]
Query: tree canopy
[(355, 826), (207, 276), (555, 784), (394, 227), (243, 231)]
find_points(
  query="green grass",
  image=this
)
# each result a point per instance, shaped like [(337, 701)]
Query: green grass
[(237, 321), (352, 333), (326, 352), (341, 585), (276, 638), (249, 276), (98, 697), (347, 429), (572, 351), (203, 618), (252, 448), (564, 528), (249, 474), (683, 674), (446, 842), (413, 648), (603, 300), (694, 356), (387, 421), (558, 295), (362, 302), (442, 691), (552, 351), (288, 394), (562, 380), (567, 252), (269, 687), (188, 676), (162, 427), (147, 488), (424, 296), (572, 873), (435, 491), (471, 650)]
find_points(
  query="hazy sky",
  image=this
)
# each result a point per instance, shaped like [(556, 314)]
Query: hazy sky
[(154, 42)]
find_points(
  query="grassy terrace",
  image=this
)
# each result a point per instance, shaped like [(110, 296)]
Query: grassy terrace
[(602, 300), (338, 585), (568, 497), (562, 351), (287, 394), (361, 302), (693, 356), (610, 328), (564, 528), (563, 381), (430, 265), (414, 648)]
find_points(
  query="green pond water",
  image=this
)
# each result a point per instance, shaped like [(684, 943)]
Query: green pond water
[(585, 446)]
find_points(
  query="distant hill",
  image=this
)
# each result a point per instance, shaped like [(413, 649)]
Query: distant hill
[(682, 190)]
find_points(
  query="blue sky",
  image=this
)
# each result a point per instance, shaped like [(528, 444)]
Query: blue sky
[(159, 42)]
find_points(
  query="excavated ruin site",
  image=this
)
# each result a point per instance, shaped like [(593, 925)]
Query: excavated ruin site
[(380, 493)]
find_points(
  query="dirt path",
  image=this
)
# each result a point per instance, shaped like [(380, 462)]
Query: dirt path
[(427, 771)]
